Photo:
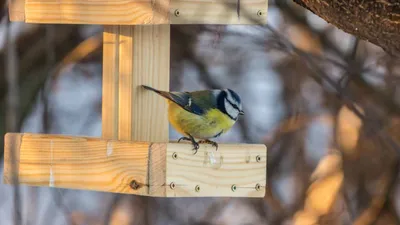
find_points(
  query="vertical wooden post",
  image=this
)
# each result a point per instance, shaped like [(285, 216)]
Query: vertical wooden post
[(110, 82), (135, 55)]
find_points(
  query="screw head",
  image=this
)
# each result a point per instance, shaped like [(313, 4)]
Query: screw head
[(172, 185), (134, 185), (233, 187), (258, 187), (258, 158), (174, 155), (197, 188), (177, 13)]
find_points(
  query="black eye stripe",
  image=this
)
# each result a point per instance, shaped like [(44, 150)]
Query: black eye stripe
[(233, 105)]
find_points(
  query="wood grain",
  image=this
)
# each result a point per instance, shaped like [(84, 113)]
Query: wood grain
[(110, 82), (133, 12), (90, 12), (157, 170), (218, 12), (12, 146), (216, 171), (151, 63), (126, 87), (134, 56), (80, 163), (110, 166), (16, 10)]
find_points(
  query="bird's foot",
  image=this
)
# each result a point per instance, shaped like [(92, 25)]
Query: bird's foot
[(195, 147), (213, 143), (184, 138), (194, 143)]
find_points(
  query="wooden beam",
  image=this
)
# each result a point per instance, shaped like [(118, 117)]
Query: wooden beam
[(135, 55), (141, 168), (150, 65), (110, 82), (134, 12), (218, 12), (16, 9)]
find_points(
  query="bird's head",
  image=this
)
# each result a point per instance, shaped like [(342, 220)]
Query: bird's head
[(229, 103)]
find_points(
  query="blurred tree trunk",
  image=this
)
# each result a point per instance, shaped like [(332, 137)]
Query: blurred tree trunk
[(377, 21)]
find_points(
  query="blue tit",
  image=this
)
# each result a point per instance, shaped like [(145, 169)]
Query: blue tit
[(202, 114)]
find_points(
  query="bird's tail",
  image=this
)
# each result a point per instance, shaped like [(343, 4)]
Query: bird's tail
[(165, 94)]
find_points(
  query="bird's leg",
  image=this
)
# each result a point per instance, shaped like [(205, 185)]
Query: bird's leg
[(195, 145), (213, 143), (184, 138), (191, 139)]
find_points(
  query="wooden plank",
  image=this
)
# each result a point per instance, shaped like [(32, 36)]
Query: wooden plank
[(110, 82), (151, 66), (91, 12), (108, 165), (215, 172), (126, 87), (16, 10), (218, 12), (13, 144), (133, 12), (80, 163), (134, 56)]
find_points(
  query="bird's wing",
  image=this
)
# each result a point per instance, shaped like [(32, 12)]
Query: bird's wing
[(197, 102)]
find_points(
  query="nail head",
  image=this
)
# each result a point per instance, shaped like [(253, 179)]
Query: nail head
[(174, 155), (177, 13), (172, 185), (233, 187), (197, 188), (259, 13), (258, 158), (258, 187), (134, 185)]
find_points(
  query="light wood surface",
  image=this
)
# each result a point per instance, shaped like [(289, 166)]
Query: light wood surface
[(108, 165), (126, 87), (79, 162), (218, 12), (134, 56), (151, 66), (133, 12), (110, 82), (215, 172), (16, 10)]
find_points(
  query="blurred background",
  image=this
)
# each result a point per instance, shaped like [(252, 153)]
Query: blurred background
[(325, 103)]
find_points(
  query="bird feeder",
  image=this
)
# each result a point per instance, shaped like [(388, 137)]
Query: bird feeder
[(134, 154)]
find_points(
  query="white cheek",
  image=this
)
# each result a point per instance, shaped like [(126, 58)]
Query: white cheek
[(230, 110)]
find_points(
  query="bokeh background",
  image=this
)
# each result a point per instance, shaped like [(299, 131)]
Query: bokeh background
[(325, 103)]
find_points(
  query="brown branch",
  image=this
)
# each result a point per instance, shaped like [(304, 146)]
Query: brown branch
[(376, 21), (12, 112)]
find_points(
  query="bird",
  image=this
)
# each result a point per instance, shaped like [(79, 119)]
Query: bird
[(202, 114)]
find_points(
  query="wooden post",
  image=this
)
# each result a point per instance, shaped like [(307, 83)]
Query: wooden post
[(134, 56), (133, 155)]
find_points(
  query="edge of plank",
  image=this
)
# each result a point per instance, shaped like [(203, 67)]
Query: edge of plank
[(16, 10), (11, 141), (157, 174)]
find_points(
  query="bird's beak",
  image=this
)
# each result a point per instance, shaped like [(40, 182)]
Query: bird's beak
[(241, 112)]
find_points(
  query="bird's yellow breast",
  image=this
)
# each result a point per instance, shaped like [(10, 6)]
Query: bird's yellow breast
[(206, 126)]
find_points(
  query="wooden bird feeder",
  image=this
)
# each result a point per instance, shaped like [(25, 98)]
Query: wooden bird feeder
[(134, 155)]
